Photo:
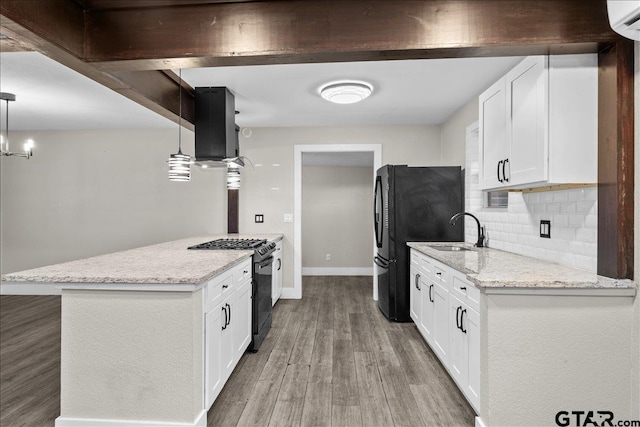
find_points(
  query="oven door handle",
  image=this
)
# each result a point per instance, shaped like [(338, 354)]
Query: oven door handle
[(265, 262)]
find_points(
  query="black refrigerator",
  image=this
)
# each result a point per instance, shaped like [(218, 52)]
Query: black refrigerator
[(411, 204)]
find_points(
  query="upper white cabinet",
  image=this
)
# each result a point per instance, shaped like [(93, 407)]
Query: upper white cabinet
[(538, 124)]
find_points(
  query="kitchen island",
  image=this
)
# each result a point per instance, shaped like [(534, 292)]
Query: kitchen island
[(527, 341), (134, 344)]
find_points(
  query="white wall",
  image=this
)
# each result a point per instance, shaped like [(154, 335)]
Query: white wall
[(453, 133), (336, 202), (268, 189), (87, 193)]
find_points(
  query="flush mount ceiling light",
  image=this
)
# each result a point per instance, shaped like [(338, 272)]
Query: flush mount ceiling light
[(346, 92), (4, 140), (179, 164)]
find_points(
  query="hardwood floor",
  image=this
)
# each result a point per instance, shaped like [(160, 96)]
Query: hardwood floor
[(29, 360), (330, 359)]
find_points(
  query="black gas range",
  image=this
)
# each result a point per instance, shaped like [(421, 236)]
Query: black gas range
[(261, 280)]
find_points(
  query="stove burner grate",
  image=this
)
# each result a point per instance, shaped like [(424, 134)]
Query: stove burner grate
[(226, 244)]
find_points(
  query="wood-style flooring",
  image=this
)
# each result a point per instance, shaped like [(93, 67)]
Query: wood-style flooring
[(330, 359)]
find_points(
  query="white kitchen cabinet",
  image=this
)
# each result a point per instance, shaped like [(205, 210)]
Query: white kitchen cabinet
[(213, 365), (446, 306), (441, 323), (538, 124), (415, 297), (428, 304), (276, 278), (227, 325), (241, 319), (493, 131)]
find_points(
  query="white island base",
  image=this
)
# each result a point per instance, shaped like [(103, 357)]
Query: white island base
[(132, 358)]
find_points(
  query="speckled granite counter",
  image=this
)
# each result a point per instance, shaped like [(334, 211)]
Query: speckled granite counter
[(492, 268), (164, 263)]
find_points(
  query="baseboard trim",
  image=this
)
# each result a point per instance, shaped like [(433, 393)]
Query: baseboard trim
[(291, 293), (337, 271), (200, 421)]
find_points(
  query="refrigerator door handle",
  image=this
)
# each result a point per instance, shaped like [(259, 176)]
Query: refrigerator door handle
[(380, 262), (377, 216)]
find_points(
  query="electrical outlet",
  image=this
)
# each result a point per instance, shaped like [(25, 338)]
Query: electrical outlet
[(328, 257), (259, 218), (288, 217), (545, 229)]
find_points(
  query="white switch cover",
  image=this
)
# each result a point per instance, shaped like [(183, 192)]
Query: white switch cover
[(288, 217)]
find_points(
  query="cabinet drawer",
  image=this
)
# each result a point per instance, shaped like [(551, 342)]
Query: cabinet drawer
[(465, 291), (441, 274), (422, 263), (214, 288), (242, 272)]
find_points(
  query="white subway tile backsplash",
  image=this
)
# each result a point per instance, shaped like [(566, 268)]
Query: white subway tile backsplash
[(573, 214)]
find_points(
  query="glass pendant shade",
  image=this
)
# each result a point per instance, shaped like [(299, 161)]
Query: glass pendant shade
[(179, 167)]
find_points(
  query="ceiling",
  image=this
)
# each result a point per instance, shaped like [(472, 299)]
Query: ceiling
[(406, 92)]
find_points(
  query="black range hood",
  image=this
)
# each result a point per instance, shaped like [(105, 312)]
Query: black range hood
[(216, 130)]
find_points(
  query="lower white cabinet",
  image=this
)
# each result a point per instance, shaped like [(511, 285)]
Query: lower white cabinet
[(227, 326), (276, 278), (440, 343), (445, 308)]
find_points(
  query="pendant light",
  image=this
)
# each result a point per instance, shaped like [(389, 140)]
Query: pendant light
[(179, 164), (4, 141)]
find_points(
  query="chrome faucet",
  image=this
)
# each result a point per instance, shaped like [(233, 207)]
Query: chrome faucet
[(480, 242)]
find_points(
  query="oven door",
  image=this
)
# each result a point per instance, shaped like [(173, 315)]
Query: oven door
[(262, 282)]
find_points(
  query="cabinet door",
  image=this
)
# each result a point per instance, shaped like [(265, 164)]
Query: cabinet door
[(472, 325), (414, 295), (214, 320), (441, 323), (493, 138), (527, 133), (427, 321), (276, 278), (227, 353), (458, 343), (241, 319)]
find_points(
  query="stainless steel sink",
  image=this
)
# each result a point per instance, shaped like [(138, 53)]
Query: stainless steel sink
[(450, 248)]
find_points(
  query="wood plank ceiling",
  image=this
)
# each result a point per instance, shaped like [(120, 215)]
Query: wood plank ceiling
[(128, 45)]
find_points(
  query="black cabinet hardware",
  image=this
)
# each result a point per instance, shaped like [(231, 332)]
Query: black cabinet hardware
[(225, 318), (438, 273), (430, 290), (463, 288), (229, 307), (417, 281), (458, 317), (279, 264), (504, 175), (225, 286), (462, 320), (500, 179)]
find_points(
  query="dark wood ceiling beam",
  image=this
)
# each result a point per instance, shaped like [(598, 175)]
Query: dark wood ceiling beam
[(154, 89), (321, 31)]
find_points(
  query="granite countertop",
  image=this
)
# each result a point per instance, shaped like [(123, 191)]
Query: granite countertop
[(164, 263), (493, 268)]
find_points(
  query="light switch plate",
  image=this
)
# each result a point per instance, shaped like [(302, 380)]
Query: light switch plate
[(288, 217), (259, 218)]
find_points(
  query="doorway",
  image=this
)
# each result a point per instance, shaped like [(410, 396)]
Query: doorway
[(299, 152)]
